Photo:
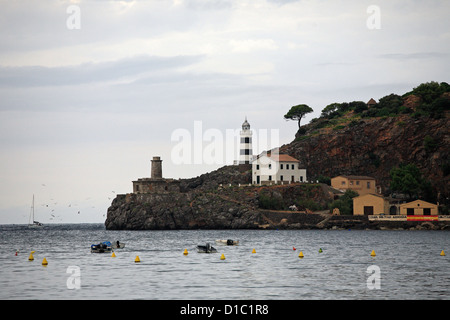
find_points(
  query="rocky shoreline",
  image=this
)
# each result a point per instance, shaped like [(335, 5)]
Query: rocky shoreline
[(239, 208)]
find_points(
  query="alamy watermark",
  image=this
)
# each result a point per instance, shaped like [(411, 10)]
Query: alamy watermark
[(73, 21), (214, 146), (374, 279), (373, 22), (74, 280)]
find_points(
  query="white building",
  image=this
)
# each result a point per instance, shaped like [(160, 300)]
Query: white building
[(245, 147), (277, 168)]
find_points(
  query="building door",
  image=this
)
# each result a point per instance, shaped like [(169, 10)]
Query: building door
[(292, 179), (426, 211), (368, 210), (393, 210), (257, 180), (410, 211)]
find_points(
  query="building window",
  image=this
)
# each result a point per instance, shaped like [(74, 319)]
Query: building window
[(270, 166), (287, 167), (281, 178), (343, 183), (257, 167), (410, 211), (368, 184), (281, 166), (292, 166), (270, 178), (357, 182), (426, 211), (246, 140)]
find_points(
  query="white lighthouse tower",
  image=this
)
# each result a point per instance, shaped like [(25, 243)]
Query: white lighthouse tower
[(245, 150)]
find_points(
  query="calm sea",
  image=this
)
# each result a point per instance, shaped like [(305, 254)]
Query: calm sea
[(407, 265)]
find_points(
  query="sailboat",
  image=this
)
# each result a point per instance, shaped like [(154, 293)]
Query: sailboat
[(31, 222)]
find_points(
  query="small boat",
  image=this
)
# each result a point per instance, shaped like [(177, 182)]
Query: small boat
[(101, 247), (206, 249), (118, 245), (32, 223), (229, 242)]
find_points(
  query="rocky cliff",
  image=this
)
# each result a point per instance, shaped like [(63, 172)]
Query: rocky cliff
[(373, 146), (357, 142), (225, 207)]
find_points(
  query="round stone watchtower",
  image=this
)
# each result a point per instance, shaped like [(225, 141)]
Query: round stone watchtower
[(156, 168)]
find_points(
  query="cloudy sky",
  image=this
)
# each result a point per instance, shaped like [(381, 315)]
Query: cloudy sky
[(91, 90)]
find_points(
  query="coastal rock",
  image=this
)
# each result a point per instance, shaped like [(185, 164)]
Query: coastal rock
[(223, 199), (225, 207), (373, 146)]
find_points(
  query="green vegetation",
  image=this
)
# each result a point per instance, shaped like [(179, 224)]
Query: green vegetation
[(429, 144), (433, 100), (344, 203), (297, 113), (407, 179), (270, 202)]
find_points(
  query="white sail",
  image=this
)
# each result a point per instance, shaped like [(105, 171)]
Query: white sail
[(31, 222)]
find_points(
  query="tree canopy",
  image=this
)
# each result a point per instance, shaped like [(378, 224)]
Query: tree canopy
[(408, 179), (297, 112)]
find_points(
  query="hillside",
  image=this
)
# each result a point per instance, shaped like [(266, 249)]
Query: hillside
[(349, 138), (353, 138)]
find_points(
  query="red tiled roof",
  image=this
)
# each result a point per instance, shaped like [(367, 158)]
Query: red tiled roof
[(357, 177), (283, 158)]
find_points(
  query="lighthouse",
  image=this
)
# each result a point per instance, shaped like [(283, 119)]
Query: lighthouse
[(245, 149)]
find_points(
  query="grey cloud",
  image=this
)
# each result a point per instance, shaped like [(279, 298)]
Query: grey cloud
[(208, 4), (31, 76), (416, 55)]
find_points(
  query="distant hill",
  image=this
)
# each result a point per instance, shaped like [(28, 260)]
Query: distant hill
[(370, 139)]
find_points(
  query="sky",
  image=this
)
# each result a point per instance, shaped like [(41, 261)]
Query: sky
[(91, 90)]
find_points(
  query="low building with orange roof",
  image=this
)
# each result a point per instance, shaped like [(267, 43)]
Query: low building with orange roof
[(270, 168)]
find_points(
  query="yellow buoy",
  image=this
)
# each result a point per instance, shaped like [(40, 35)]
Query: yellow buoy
[(137, 259), (113, 255), (301, 254), (44, 262), (222, 257), (31, 258), (185, 252), (373, 253), (253, 251), (442, 253)]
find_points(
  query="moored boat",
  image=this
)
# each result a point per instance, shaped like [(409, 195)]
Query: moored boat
[(101, 247), (228, 242), (206, 249), (118, 245)]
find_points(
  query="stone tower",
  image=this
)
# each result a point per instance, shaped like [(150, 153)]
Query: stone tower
[(156, 168), (245, 150)]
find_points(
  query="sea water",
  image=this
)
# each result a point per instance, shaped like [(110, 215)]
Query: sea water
[(407, 264)]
